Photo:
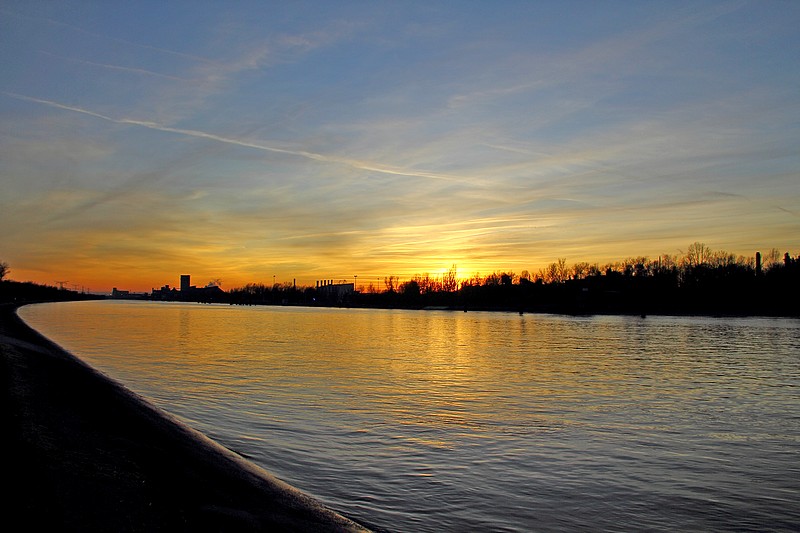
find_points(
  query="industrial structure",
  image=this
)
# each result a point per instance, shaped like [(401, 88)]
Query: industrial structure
[(335, 292), (189, 292)]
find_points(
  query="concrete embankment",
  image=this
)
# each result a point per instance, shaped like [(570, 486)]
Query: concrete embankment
[(82, 453)]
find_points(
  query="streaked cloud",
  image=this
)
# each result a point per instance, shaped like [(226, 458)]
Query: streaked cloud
[(361, 165), (121, 68)]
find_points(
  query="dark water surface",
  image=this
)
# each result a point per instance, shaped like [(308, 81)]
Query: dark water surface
[(438, 421)]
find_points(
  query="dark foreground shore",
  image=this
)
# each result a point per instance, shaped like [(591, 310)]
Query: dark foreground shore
[(82, 453)]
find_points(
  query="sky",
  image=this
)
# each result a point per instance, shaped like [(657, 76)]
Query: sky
[(279, 141)]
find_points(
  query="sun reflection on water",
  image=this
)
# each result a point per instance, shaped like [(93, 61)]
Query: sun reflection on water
[(437, 420)]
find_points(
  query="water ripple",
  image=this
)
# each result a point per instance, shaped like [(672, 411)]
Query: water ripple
[(435, 421)]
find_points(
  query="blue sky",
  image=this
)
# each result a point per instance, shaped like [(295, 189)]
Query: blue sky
[(319, 140)]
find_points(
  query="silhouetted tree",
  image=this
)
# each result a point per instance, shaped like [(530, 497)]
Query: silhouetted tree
[(450, 280), (772, 258), (391, 283), (557, 272), (580, 270), (4, 270), (697, 254), (427, 284), (410, 288), (491, 280)]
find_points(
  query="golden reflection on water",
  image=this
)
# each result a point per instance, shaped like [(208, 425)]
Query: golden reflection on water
[(591, 421), (437, 370)]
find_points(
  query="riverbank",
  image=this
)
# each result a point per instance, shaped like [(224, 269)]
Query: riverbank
[(82, 453)]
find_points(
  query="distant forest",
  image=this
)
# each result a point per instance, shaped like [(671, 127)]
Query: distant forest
[(699, 281), (16, 292), (19, 293)]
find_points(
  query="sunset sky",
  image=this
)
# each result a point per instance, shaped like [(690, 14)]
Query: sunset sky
[(322, 140)]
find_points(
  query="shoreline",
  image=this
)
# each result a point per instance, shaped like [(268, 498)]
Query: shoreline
[(85, 453), (526, 310)]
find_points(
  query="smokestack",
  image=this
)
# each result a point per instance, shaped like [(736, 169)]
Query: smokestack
[(758, 263)]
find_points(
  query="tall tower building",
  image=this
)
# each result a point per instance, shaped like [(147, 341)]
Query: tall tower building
[(185, 282)]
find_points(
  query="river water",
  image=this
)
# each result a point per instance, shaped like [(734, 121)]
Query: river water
[(452, 421)]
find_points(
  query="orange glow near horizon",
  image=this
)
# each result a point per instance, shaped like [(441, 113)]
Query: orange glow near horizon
[(144, 278)]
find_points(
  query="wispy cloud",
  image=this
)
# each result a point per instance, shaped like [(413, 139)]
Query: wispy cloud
[(109, 38), (361, 165), (120, 68)]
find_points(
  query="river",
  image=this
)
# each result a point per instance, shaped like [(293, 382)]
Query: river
[(451, 421)]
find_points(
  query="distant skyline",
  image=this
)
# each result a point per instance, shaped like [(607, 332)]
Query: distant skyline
[(252, 141)]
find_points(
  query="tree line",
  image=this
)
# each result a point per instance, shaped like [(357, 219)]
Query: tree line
[(22, 292), (697, 281)]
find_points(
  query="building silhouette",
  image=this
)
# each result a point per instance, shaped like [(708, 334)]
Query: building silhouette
[(335, 292), (189, 293)]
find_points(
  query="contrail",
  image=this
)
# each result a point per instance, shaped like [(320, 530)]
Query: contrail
[(238, 142)]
